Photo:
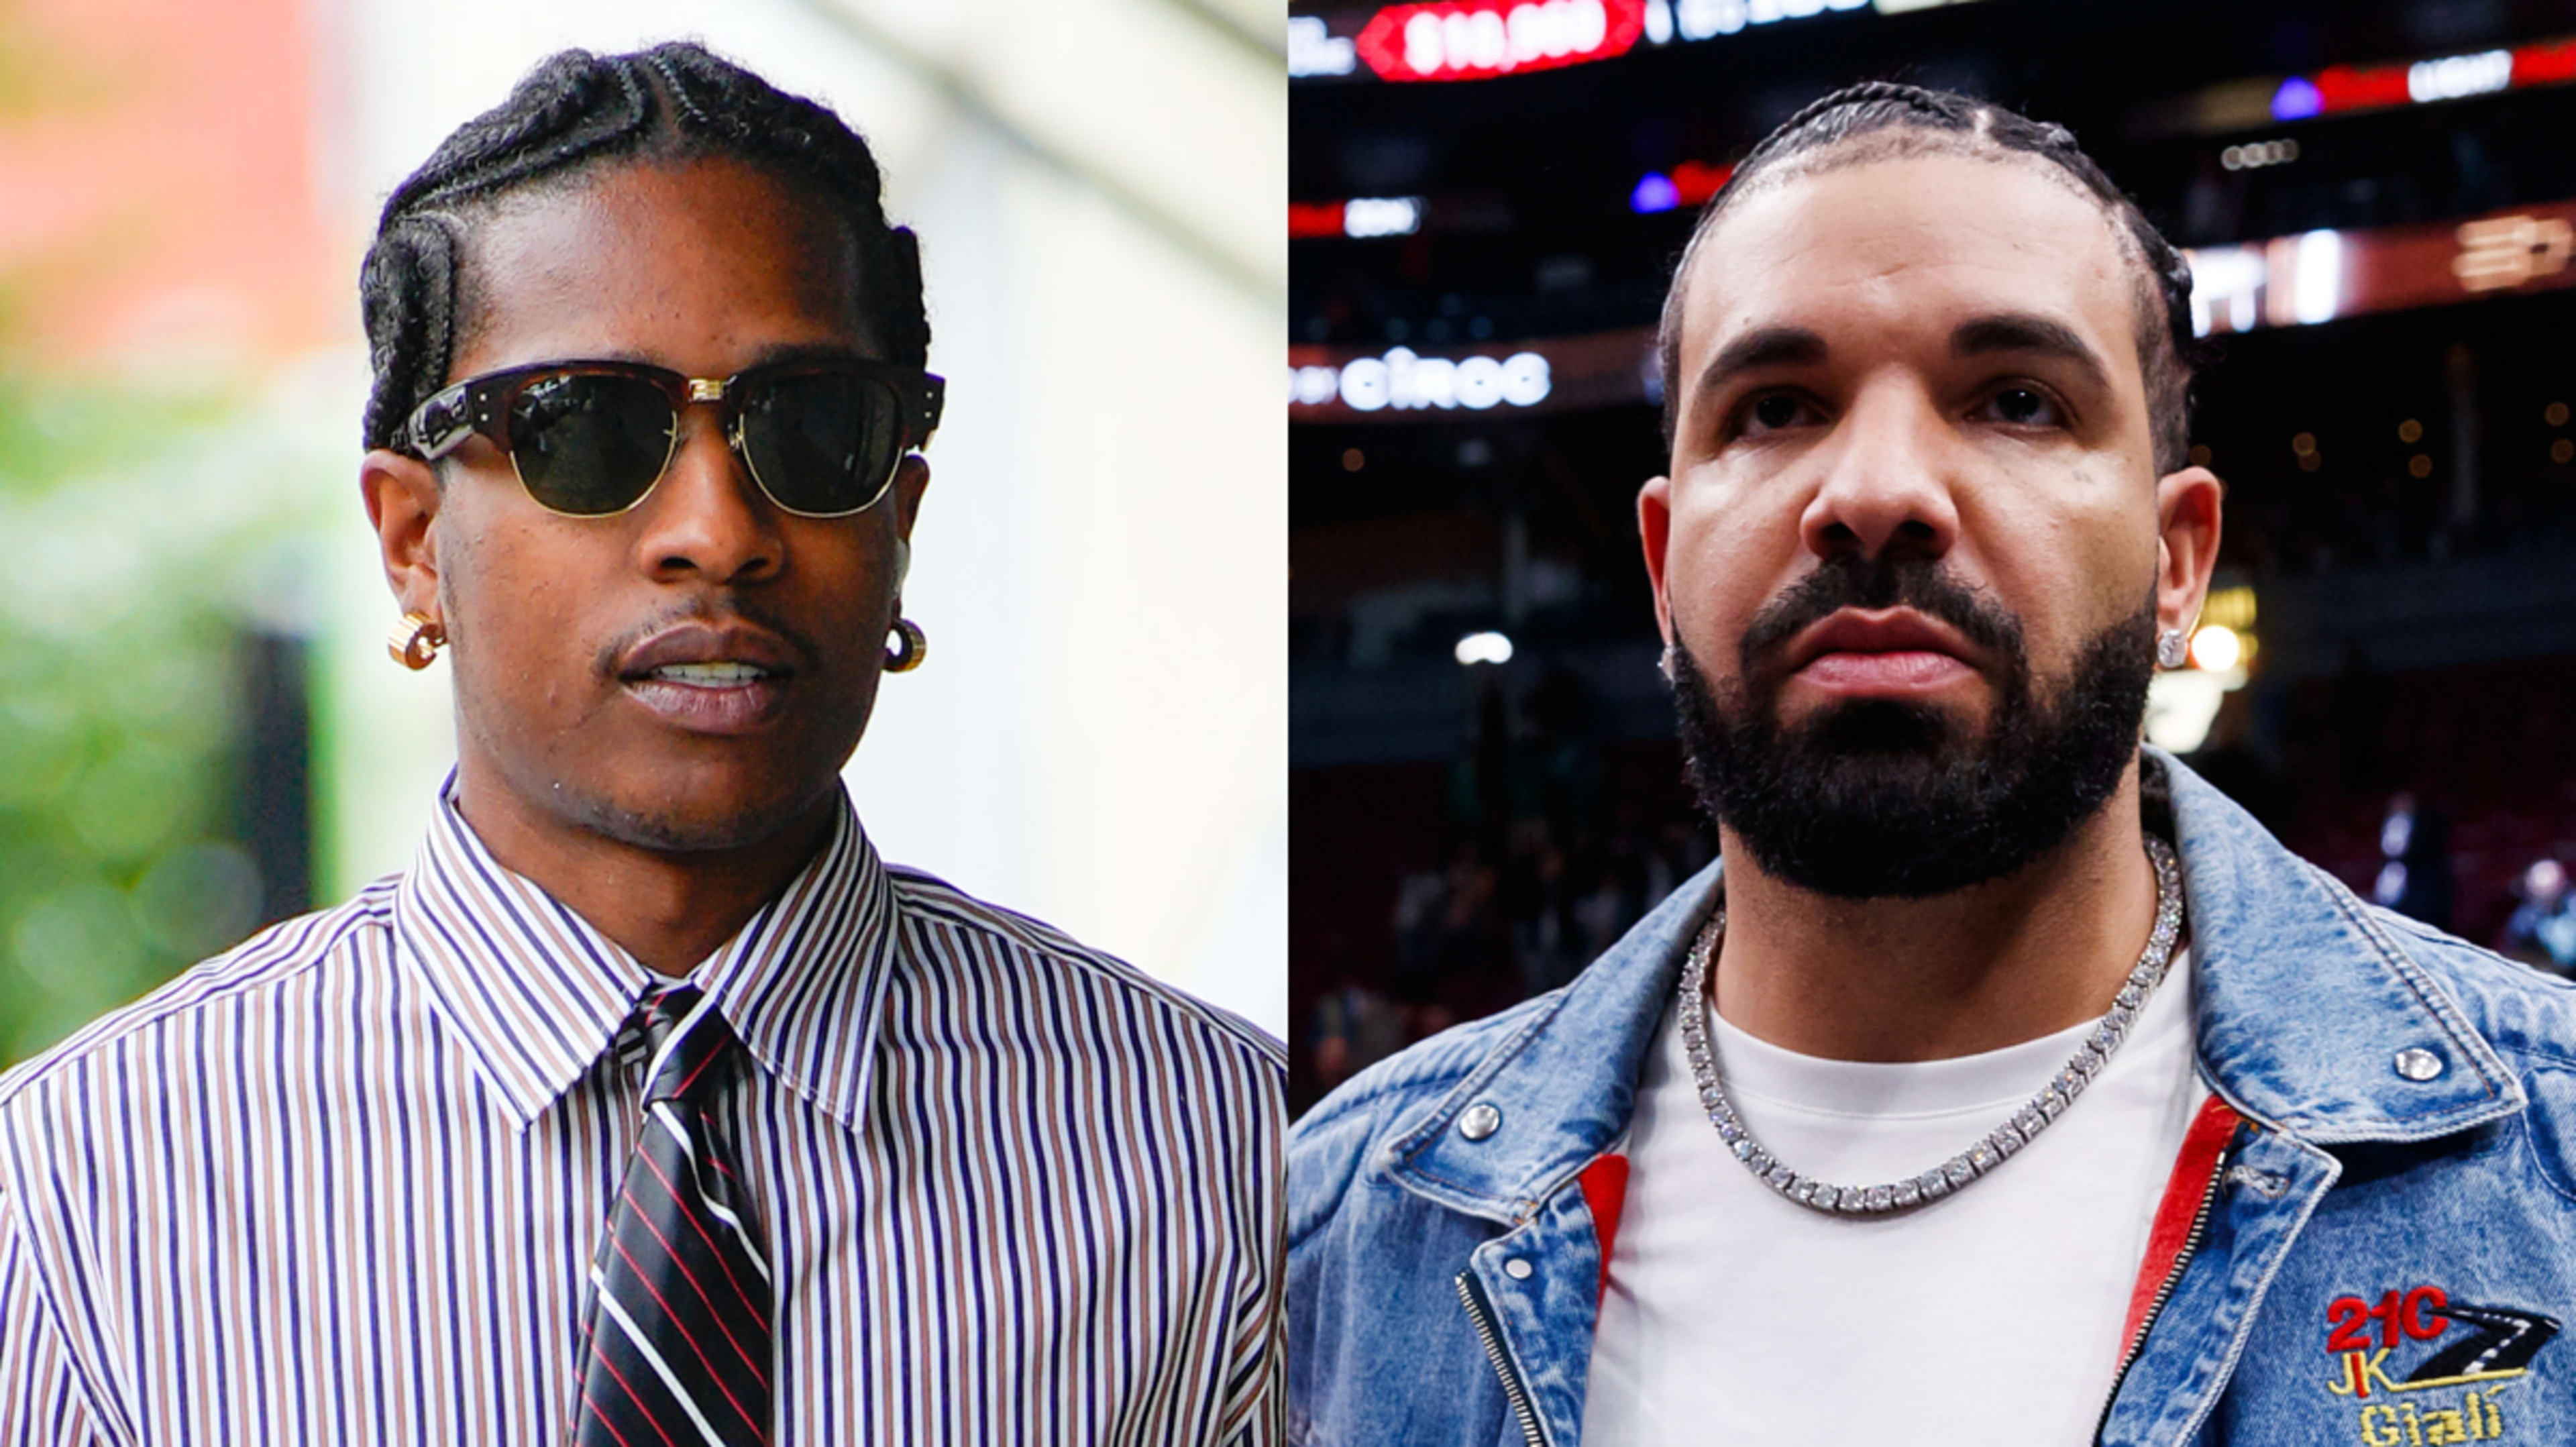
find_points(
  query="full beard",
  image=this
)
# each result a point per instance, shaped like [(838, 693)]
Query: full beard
[(1881, 798)]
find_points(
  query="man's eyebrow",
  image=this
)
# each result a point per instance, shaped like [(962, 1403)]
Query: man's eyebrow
[(1757, 350), (2030, 333)]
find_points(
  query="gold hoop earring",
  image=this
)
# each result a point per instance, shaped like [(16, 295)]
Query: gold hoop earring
[(415, 641), (905, 648)]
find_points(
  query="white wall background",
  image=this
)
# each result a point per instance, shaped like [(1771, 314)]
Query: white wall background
[(1099, 737)]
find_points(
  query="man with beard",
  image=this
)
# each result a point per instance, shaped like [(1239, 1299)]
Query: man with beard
[(2004, 1083)]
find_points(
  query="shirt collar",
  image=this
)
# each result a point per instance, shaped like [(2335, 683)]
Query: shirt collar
[(537, 994), (2306, 997)]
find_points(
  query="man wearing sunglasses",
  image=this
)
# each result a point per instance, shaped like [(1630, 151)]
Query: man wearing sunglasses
[(648, 1106)]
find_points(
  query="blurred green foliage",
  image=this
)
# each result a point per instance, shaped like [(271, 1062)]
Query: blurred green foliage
[(144, 518), (118, 593)]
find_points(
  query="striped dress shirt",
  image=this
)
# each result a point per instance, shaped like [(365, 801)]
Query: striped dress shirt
[(344, 1184)]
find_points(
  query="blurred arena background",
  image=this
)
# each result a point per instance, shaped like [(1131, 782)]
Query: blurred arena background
[(200, 732), (1485, 198)]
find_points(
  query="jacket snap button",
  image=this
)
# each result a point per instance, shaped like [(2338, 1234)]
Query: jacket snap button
[(1517, 1269), (2417, 1063), (1482, 1120)]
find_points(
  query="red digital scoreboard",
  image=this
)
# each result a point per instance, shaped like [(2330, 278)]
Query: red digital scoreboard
[(1480, 39)]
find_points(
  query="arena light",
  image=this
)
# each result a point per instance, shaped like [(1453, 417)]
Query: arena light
[(1670, 20), (1690, 184), (2339, 89), (1313, 386), (1366, 216), (1486, 647), (1314, 50), (2287, 281), (2257, 154), (1360, 216), (2500, 252), (1307, 219), (2362, 87), (1479, 39), (2297, 100), (2317, 278), (2547, 64), (2216, 648), (2227, 284), (1694, 182), (1399, 385), (1404, 380), (2230, 607), (2456, 76)]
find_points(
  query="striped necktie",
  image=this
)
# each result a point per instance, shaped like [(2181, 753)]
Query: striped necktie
[(677, 1347)]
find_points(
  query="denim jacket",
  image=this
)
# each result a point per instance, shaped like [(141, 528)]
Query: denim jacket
[(2384, 1254)]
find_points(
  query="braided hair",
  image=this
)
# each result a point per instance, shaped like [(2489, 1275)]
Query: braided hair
[(577, 110), (1884, 120)]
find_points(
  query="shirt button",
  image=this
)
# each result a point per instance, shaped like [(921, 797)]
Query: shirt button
[(1480, 1121), (1517, 1269), (2417, 1063)]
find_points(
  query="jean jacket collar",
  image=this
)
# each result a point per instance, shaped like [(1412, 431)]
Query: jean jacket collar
[(2304, 1005)]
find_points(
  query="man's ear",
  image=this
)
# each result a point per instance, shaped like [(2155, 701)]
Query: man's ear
[(2187, 526), (402, 497), (911, 480), (1655, 532)]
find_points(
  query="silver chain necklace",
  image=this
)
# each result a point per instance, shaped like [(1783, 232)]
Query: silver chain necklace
[(1986, 1154)]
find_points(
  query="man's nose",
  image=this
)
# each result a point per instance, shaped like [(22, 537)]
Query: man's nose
[(707, 517), (1887, 480)]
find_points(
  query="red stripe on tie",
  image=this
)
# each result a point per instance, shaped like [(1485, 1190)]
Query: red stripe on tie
[(683, 1087), (723, 1265), (593, 1405), (692, 1278), (631, 1395), (682, 1328)]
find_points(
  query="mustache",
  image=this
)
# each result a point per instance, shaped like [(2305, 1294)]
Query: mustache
[(1848, 580), (715, 613)]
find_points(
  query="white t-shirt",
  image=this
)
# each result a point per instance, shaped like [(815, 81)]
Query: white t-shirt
[(1990, 1317)]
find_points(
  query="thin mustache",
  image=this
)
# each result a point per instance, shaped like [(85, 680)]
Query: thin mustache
[(714, 615), (1850, 581)]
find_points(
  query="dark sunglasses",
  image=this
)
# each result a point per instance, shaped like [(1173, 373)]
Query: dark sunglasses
[(589, 439)]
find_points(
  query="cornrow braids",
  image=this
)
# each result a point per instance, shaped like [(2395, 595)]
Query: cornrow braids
[(1878, 120), (576, 110)]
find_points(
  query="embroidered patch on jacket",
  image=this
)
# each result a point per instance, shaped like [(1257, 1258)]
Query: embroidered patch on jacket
[(2421, 1369)]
